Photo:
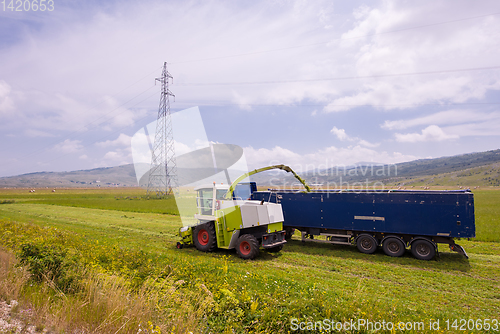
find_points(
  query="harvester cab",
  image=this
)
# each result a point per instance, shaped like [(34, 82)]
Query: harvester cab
[(227, 220)]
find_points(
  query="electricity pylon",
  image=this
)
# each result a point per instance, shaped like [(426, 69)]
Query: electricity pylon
[(163, 171)]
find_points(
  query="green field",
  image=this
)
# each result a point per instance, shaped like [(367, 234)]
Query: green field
[(121, 237)]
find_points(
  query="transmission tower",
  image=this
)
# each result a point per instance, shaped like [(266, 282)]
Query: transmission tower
[(163, 171)]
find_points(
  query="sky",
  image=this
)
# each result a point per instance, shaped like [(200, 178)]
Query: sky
[(312, 84)]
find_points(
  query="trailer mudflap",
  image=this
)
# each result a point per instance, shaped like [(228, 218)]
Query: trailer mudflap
[(459, 249), (273, 239)]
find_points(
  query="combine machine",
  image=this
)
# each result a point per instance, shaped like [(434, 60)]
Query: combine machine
[(231, 222)]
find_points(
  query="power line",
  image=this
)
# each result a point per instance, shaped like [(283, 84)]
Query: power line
[(223, 103), (333, 40), (339, 78)]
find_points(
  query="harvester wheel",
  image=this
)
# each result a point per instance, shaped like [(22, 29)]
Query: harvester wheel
[(247, 247), (366, 244), (204, 237), (179, 245)]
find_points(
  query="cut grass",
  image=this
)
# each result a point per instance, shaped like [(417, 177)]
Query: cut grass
[(307, 282), (487, 210), (121, 199)]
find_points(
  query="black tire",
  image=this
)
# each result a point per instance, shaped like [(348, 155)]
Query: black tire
[(423, 249), (394, 246), (179, 245), (366, 244), (275, 249), (247, 247), (289, 232), (204, 237)]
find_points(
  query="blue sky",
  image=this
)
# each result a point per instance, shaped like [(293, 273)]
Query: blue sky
[(300, 82)]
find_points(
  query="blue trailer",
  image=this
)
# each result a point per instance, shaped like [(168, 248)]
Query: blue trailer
[(392, 219)]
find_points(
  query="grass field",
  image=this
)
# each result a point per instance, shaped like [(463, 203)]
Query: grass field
[(120, 237)]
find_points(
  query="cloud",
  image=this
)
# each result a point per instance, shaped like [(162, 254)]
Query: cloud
[(6, 103), (456, 123), (340, 133), (447, 117), (90, 68), (122, 140), (430, 133), (80, 37), (38, 133), (342, 136), (321, 158), (115, 158), (441, 47), (69, 146), (368, 144)]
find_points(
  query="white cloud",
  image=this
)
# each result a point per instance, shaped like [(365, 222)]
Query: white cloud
[(122, 140), (91, 68), (342, 136), (84, 51), (368, 144), (340, 133), (452, 124), (447, 117), (181, 148), (485, 128), (460, 45), (430, 133), (6, 103), (69, 146), (321, 158), (37, 133), (114, 158)]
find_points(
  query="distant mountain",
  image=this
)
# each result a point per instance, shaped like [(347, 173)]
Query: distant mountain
[(487, 175), (426, 169), (99, 177), (471, 169)]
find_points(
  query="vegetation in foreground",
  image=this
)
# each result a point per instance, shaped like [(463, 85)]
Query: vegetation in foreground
[(109, 269)]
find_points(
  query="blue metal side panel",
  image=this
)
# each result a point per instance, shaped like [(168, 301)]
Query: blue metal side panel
[(416, 213), (301, 209)]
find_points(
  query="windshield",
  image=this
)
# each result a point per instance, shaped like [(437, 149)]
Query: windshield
[(204, 201), (221, 193)]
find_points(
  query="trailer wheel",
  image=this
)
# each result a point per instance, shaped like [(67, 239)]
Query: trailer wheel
[(393, 247), (204, 237), (289, 232), (366, 244), (423, 249), (247, 247)]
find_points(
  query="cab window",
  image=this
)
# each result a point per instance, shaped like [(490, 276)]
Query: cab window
[(204, 201)]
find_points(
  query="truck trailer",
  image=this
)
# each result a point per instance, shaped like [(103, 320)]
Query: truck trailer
[(393, 219)]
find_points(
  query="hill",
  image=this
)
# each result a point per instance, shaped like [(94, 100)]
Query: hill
[(472, 169), (99, 177), (488, 175)]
